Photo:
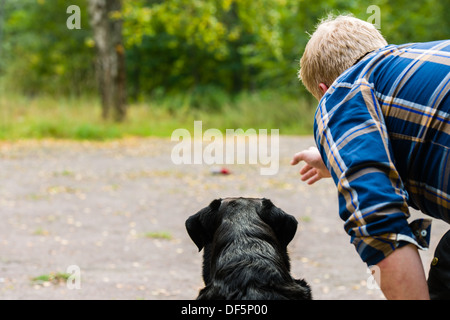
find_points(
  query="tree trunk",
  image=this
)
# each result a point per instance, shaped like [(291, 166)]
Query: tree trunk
[(110, 65)]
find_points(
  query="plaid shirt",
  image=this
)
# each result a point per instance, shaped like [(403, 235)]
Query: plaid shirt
[(383, 130)]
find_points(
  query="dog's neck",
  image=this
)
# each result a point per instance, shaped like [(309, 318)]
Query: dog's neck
[(245, 251)]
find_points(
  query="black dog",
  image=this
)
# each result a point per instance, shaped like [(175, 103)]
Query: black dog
[(245, 256)]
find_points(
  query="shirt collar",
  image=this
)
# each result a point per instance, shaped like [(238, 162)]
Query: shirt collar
[(360, 58)]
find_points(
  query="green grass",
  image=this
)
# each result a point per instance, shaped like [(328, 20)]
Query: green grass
[(40, 232), (54, 277), (158, 235), (80, 118)]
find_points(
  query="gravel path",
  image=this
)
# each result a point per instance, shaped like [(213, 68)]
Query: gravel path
[(116, 211)]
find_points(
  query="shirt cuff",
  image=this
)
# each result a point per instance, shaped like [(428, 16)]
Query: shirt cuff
[(379, 247), (421, 231)]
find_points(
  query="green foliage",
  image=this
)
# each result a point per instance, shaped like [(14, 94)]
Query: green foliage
[(235, 45), (178, 46), (40, 54), (184, 57)]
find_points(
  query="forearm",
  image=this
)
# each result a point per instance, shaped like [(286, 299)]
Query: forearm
[(402, 276)]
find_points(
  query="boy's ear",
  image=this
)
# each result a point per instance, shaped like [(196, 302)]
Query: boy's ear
[(200, 225), (323, 88), (283, 225)]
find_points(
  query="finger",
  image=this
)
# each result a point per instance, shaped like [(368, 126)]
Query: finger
[(305, 169), (310, 174), (297, 158), (314, 179)]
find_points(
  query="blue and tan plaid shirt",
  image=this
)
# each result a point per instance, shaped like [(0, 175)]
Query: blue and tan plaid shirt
[(383, 130)]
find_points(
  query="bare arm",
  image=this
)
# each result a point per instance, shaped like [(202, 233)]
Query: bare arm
[(402, 276)]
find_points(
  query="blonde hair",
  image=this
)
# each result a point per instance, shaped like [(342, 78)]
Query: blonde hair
[(335, 46)]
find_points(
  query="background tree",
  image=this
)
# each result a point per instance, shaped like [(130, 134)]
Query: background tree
[(205, 53), (105, 17)]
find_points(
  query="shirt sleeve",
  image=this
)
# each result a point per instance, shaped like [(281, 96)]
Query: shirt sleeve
[(354, 144)]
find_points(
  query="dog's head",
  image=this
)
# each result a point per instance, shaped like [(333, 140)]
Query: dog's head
[(202, 226)]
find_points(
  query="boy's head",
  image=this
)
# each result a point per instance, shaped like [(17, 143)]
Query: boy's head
[(335, 46)]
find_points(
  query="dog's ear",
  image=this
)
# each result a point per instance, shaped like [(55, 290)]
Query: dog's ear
[(284, 225), (200, 225)]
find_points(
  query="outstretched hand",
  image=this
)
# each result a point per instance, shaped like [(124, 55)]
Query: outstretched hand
[(314, 169)]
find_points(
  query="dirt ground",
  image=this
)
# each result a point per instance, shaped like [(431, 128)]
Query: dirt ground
[(116, 211)]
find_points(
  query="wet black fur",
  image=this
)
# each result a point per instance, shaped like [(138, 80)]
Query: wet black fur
[(245, 255)]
